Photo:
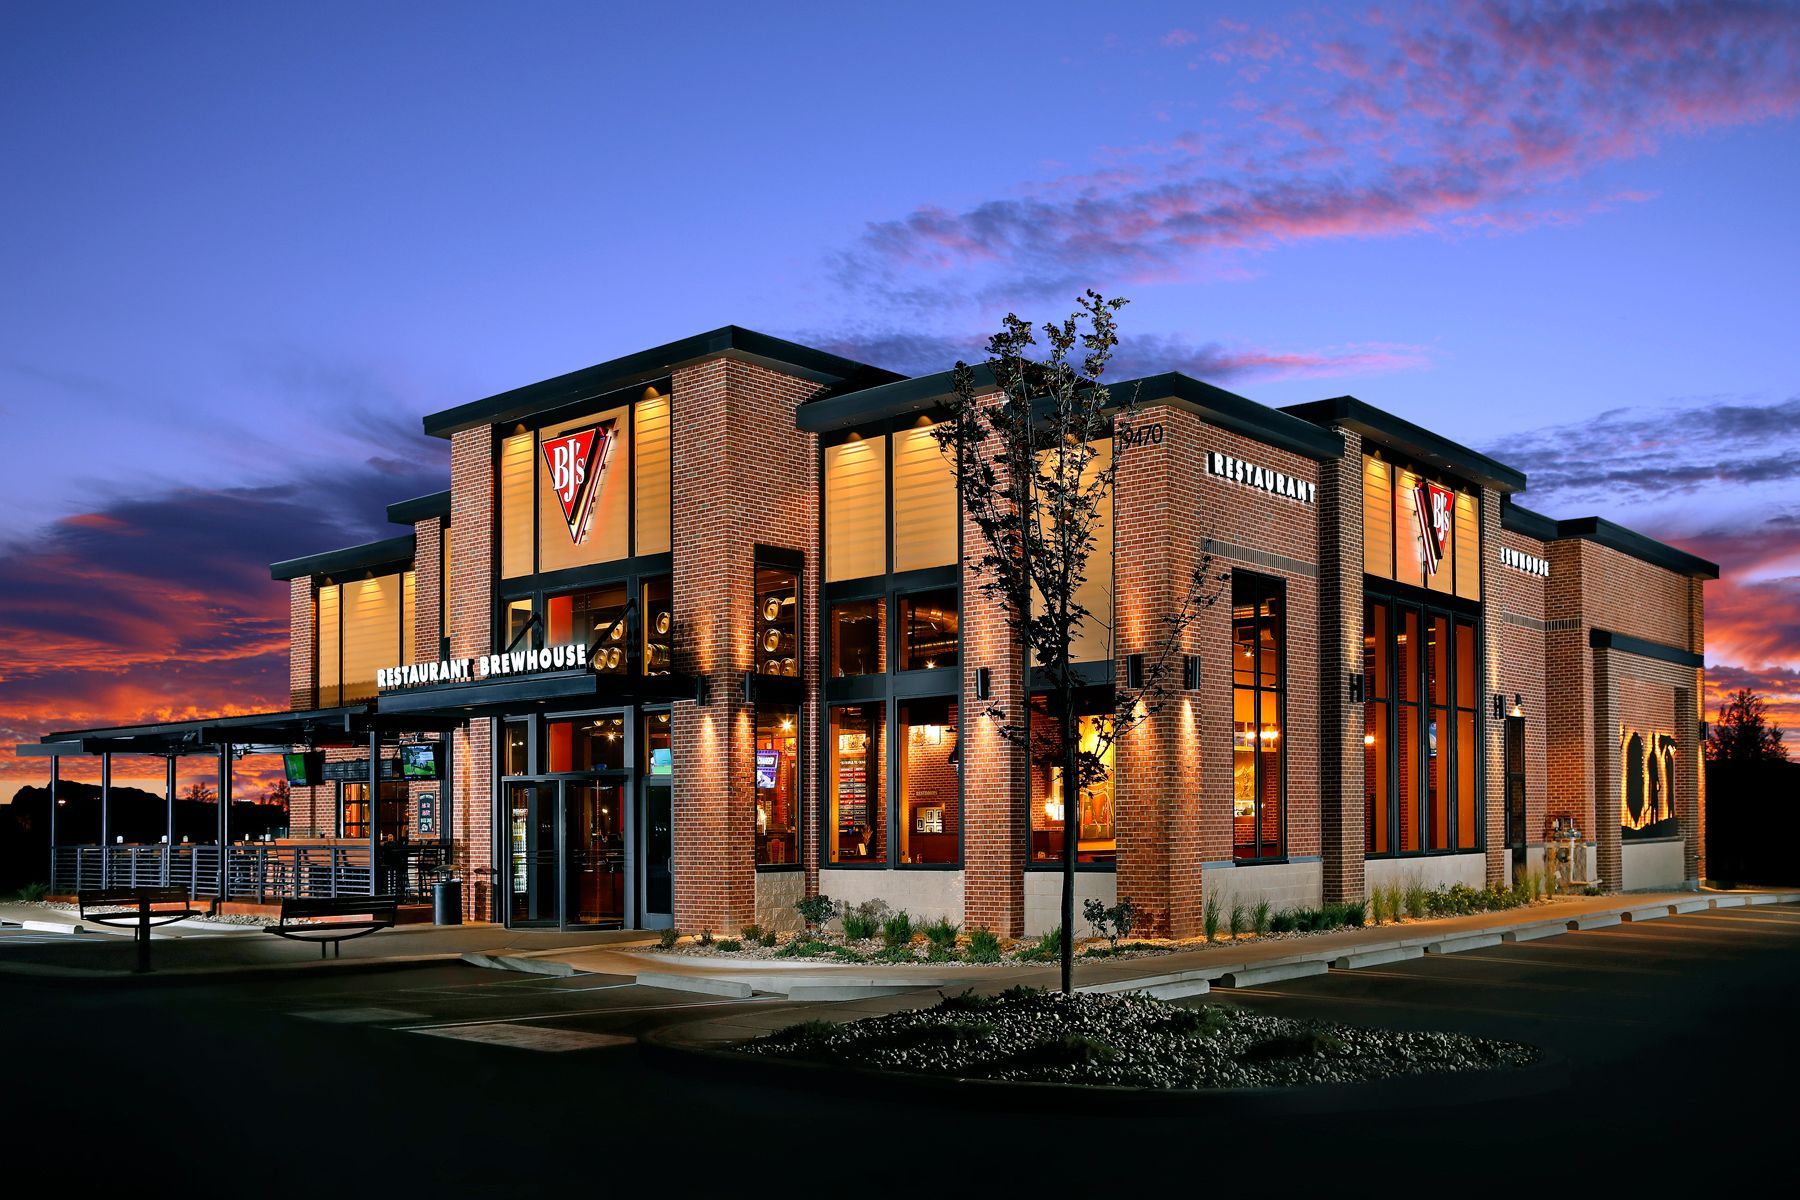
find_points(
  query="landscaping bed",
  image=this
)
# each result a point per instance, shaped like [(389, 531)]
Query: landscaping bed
[(1028, 1036)]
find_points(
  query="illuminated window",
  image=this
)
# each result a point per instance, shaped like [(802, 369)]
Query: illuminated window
[(594, 618), (777, 785), (653, 462), (930, 788), (928, 630), (776, 622), (856, 638), (924, 501), (585, 744), (1096, 836), (856, 509), (1421, 730), (1258, 747), (658, 608), (858, 826), (1442, 551)]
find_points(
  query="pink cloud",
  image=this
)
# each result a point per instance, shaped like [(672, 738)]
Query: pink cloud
[(1179, 37)]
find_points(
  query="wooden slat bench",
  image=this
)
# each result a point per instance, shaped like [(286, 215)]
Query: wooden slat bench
[(334, 921), (139, 909)]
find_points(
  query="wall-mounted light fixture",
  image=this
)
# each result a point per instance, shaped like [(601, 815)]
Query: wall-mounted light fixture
[(1134, 670), (1499, 706), (1356, 687), (1190, 672), (702, 690), (984, 683), (1518, 708)]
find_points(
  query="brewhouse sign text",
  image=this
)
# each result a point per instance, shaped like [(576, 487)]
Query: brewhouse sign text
[(1518, 560), (1251, 475), (568, 657)]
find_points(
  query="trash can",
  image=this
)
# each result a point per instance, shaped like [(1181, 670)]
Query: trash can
[(446, 902)]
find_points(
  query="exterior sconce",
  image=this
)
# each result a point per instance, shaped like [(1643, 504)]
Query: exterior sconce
[(1518, 708), (1356, 687), (984, 683), (1134, 670), (702, 690), (1190, 672)]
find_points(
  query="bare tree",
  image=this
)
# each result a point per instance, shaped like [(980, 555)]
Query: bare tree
[(1023, 436), (199, 792)]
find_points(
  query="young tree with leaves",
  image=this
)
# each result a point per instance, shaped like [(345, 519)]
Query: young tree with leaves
[(1023, 434), (1742, 734)]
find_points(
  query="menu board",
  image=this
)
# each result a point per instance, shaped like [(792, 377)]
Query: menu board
[(853, 792)]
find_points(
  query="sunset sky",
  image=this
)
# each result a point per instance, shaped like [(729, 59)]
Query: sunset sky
[(244, 247)]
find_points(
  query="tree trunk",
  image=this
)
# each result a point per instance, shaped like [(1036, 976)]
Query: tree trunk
[(1071, 823)]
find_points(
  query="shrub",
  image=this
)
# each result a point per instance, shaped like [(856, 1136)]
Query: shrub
[(984, 946), (1068, 1050), (847, 953), (1418, 900), (1311, 1044), (1046, 949), (33, 893), (730, 945), (1198, 1022), (1110, 923), (1259, 917), (803, 947), (668, 938), (1590, 890), (967, 1000), (1283, 922), (815, 911), (864, 921), (807, 1031), (1209, 918), (752, 933), (706, 937), (894, 954), (897, 930), (941, 933), (1238, 921)]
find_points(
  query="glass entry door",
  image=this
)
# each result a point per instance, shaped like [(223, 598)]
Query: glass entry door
[(566, 853), (656, 852), (532, 854)]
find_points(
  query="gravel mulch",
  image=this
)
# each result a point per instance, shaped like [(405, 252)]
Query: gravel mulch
[(1130, 1041)]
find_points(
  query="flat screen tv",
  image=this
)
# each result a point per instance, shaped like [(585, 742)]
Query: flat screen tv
[(418, 760), (303, 769)]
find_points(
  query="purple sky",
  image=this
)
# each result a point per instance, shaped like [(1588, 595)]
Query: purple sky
[(244, 247)]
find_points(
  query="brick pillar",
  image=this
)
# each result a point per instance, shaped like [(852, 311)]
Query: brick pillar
[(742, 474), (428, 588), (303, 650), (1342, 796), (1493, 790), (1569, 688), (1692, 714), (996, 779), (1158, 802), (1602, 822), (472, 507)]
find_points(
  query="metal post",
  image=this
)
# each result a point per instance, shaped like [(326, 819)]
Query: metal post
[(55, 786), (374, 811), (224, 820), (169, 796), (105, 818)]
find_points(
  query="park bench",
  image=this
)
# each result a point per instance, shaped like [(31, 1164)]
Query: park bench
[(335, 920), (139, 909)]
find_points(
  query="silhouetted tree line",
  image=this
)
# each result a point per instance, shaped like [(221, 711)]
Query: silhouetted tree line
[(1752, 797)]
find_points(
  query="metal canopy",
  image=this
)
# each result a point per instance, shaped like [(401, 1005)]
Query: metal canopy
[(321, 726), (459, 702)]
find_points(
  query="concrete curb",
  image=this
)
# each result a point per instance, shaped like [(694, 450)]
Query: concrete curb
[(522, 963), (1586, 921), (1174, 985), (703, 984), (1275, 973), (1475, 941), (1376, 958)]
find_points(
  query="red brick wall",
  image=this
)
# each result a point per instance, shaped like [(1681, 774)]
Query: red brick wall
[(1516, 612), (1342, 815), (302, 645), (428, 583), (472, 504), (1174, 771), (742, 474)]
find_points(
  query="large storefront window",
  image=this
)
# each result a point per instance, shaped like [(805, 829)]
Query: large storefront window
[(865, 476), (594, 617), (585, 744), (930, 791), (777, 622), (565, 490), (1647, 764), (353, 811), (1096, 832), (1421, 739), (363, 626), (857, 826), (928, 630), (777, 785), (1259, 755), (1420, 530), (856, 640)]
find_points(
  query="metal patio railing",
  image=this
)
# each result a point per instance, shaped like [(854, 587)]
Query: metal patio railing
[(252, 870)]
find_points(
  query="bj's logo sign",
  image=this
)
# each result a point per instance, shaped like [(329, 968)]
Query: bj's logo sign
[(1436, 507), (577, 464)]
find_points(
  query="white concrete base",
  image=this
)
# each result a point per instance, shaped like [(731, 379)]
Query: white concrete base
[(1651, 866), (524, 965), (1172, 986), (1283, 885), (1652, 913), (1763, 898), (1699, 904), (1043, 898), (1275, 973), (1178, 991), (704, 984), (1477, 941), (1377, 958), (1728, 901), (844, 991), (1436, 870), (1531, 933), (926, 895), (776, 894)]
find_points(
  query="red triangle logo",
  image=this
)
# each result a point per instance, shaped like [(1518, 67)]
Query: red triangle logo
[(576, 461), (1436, 508)]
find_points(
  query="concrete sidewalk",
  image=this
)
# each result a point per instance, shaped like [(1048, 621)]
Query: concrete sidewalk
[(1186, 972)]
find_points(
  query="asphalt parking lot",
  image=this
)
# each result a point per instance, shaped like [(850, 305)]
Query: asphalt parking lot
[(1678, 1035)]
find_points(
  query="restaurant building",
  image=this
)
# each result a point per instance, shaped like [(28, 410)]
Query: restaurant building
[(692, 634)]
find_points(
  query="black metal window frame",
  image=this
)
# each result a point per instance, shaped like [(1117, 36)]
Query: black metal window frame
[(1397, 540), (1427, 604), (403, 608), (792, 697), (1268, 586), (891, 688)]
